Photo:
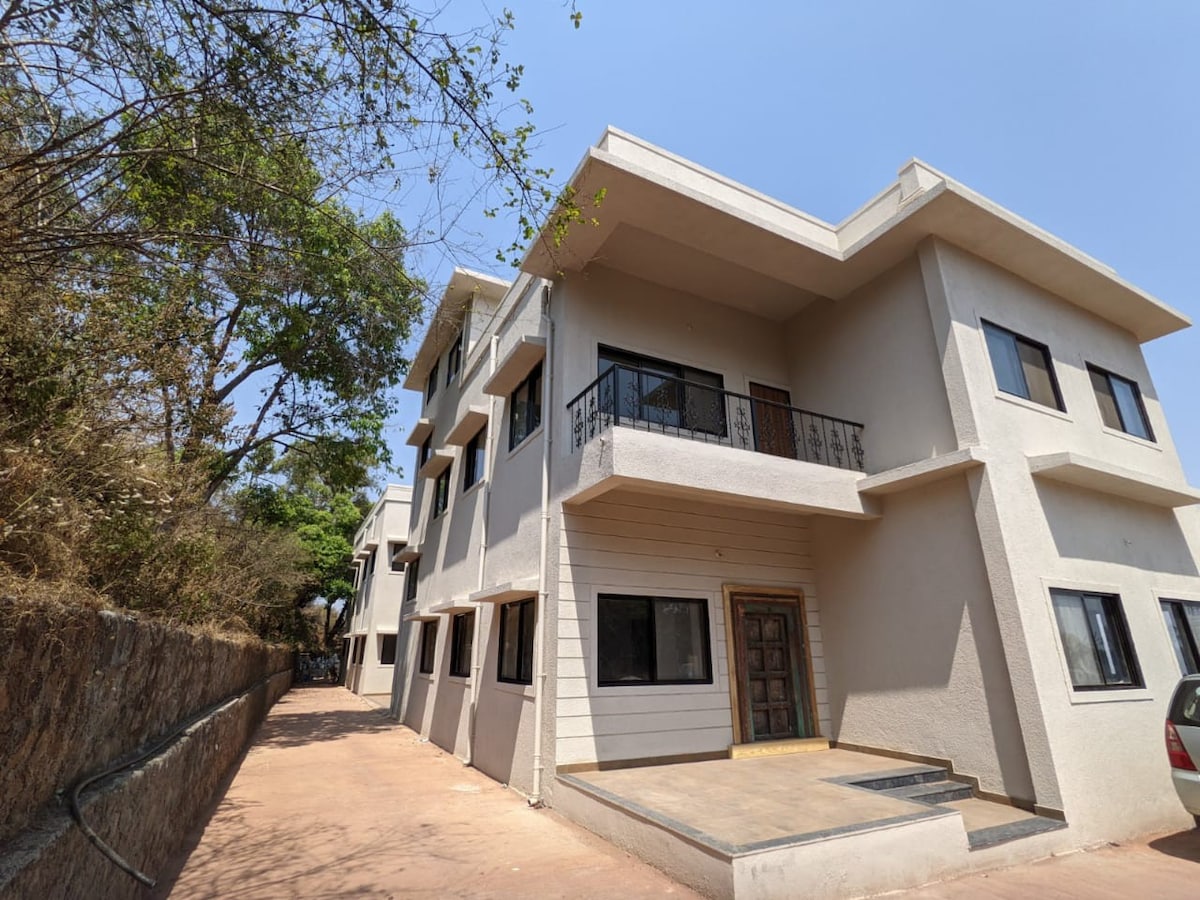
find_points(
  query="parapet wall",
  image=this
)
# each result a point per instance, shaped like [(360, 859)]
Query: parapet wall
[(81, 689)]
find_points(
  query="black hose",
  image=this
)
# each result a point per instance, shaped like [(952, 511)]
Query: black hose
[(77, 814)]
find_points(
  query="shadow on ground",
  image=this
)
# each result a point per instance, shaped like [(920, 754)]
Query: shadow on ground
[(297, 729), (1182, 845)]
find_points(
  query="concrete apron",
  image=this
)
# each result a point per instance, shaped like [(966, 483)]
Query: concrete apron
[(802, 825)]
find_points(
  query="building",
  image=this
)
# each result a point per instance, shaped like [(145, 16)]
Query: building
[(372, 622), (713, 472)]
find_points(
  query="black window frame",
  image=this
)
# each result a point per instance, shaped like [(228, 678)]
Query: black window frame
[(1113, 614), (475, 458), (1109, 377), (462, 640), (360, 649), (387, 642), (652, 601), (1191, 636), (427, 659), (454, 359), (410, 580), (525, 611), (531, 384), (441, 492), (687, 386), (395, 548), (431, 385), (425, 451), (1047, 360)]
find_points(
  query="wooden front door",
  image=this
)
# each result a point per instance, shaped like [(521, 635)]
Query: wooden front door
[(774, 431), (772, 669)]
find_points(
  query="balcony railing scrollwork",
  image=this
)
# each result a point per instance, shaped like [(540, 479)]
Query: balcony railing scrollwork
[(652, 401)]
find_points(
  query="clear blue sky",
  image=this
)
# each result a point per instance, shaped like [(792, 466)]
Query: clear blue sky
[(1082, 117)]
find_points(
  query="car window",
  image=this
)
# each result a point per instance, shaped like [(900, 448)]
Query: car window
[(1185, 705)]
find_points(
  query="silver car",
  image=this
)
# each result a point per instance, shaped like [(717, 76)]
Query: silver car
[(1183, 743)]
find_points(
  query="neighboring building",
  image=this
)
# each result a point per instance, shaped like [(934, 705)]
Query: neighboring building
[(714, 472), (380, 558)]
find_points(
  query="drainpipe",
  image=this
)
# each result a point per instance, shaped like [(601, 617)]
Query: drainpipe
[(476, 648), (539, 640)]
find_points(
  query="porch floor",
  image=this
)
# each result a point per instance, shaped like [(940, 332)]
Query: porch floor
[(739, 804)]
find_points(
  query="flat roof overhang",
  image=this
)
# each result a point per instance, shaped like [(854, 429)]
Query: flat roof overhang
[(666, 220)]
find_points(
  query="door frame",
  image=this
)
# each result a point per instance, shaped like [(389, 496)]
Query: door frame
[(735, 593)]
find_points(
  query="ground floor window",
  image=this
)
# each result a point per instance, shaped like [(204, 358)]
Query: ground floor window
[(1096, 640), (652, 640), (360, 645), (387, 649), (517, 622), (462, 635), (1183, 624), (428, 647)]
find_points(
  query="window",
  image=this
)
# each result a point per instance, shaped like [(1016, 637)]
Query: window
[(517, 622), (395, 549), (431, 384), (387, 649), (454, 358), (1183, 625), (1096, 640), (1120, 403), (661, 393), (1022, 367), (525, 408), (441, 492), (410, 581), (474, 458), (425, 452), (653, 640), (428, 647), (462, 635), (360, 646)]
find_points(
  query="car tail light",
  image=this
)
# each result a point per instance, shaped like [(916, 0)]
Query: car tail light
[(1176, 752)]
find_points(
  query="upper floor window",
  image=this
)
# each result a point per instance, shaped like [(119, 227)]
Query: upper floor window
[(410, 581), (474, 458), (462, 636), (441, 492), (525, 408), (425, 452), (387, 649), (454, 358), (662, 393), (1120, 403), (395, 549), (1183, 625), (1095, 640), (1022, 367), (432, 384)]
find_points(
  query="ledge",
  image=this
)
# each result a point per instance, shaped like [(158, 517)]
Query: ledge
[(453, 606), (420, 431), (408, 554), (903, 478), (467, 426), (529, 350), (421, 617), (507, 591), (1105, 478), (438, 462)]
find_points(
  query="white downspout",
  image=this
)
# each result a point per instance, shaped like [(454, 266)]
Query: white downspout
[(539, 641), (476, 648)]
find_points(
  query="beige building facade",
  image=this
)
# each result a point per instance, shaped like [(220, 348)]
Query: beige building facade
[(713, 473), (372, 622)]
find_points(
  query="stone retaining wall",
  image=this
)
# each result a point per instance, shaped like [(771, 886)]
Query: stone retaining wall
[(81, 689)]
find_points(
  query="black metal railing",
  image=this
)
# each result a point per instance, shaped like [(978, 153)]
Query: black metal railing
[(640, 398)]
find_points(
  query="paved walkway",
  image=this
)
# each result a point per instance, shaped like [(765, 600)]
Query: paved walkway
[(335, 800)]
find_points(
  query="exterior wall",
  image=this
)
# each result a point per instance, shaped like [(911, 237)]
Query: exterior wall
[(378, 591), (916, 662), (1043, 535), (871, 358), (641, 544)]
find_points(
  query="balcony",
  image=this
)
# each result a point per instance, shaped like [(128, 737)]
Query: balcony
[(799, 462), (638, 398)]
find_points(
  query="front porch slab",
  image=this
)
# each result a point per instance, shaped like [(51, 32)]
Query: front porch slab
[(782, 826)]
